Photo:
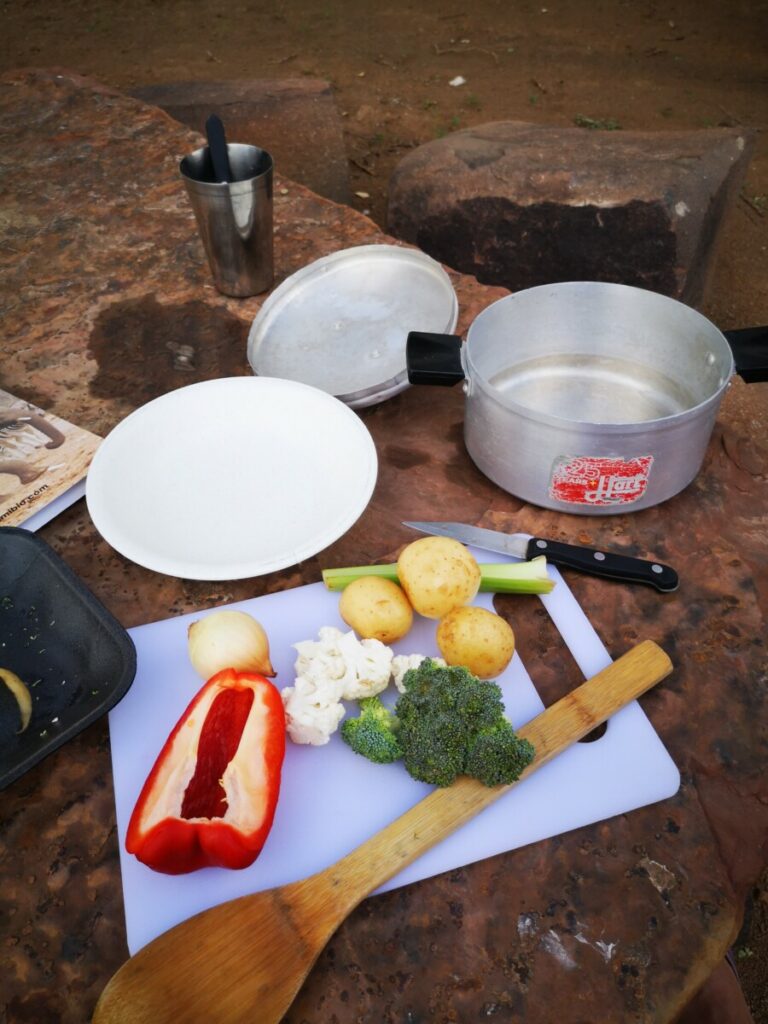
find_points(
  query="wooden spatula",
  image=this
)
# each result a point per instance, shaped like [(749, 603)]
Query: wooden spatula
[(244, 961)]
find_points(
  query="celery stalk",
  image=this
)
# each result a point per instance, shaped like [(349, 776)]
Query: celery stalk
[(516, 577), (337, 579), (504, 578)]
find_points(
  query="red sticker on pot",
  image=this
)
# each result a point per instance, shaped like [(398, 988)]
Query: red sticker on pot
[(583, 480)]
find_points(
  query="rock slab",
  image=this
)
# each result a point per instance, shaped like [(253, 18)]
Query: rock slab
[(294, 118), (520, 205), (107, 303)]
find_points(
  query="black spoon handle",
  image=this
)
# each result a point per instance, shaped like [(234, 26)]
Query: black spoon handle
[(217, 144)]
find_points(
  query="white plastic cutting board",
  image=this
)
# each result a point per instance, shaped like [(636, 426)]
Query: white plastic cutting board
[(331, 799)]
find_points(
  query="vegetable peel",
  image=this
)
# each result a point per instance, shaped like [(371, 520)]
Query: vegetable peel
[(21, 692)]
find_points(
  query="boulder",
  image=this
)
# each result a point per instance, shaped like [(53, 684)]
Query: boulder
[(295, 119), (519, 204)]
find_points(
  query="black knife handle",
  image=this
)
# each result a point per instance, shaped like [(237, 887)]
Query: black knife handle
[(600, 563)]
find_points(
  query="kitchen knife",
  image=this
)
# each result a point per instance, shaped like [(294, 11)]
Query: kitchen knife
[(589, 560)]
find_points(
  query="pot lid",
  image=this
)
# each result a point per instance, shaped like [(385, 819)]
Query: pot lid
[(341, 323)]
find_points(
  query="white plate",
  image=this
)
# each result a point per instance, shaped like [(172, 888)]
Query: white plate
[(341, 323), (231, 478)]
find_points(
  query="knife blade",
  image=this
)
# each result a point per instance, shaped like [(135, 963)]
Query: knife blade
[(572, 556)]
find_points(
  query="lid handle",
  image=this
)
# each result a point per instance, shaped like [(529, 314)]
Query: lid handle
[(434, 358)]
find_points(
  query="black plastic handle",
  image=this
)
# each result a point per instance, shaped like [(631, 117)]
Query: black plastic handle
[(600, 563), (217, 144), (433, 358), (750, 352)]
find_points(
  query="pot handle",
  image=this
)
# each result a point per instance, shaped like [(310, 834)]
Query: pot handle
[(433, 358), (750, 352)]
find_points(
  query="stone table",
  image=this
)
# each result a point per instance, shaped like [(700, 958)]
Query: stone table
[(103, 287)]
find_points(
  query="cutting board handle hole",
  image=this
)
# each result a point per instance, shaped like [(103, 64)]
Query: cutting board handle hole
[(596, 734)]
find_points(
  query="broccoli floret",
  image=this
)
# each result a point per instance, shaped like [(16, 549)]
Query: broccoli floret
[(452, 723), (498, 755), (440, 707), (374, 733)]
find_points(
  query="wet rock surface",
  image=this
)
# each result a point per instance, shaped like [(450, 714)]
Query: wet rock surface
[(521, 205), (622, 920)]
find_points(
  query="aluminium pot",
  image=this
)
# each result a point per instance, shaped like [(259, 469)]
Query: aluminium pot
[(590, 398)]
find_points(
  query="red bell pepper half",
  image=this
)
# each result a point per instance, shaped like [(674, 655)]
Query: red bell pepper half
[(211, 795)]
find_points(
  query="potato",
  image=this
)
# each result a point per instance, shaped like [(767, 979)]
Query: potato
[(438, 574), (376, 608), (478, 639)]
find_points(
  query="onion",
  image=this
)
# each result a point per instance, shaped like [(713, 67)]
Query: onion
[(228, 639)]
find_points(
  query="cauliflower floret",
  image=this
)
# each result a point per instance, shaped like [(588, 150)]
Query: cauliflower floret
[(333, 668), (321, 659), (312, 713), (360, 667), (369, 665), (401, 663)]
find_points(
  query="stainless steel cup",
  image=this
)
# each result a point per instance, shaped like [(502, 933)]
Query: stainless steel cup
[(235, 218)]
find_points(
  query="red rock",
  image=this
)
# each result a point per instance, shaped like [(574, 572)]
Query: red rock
[(294, 118), (519, 205)]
